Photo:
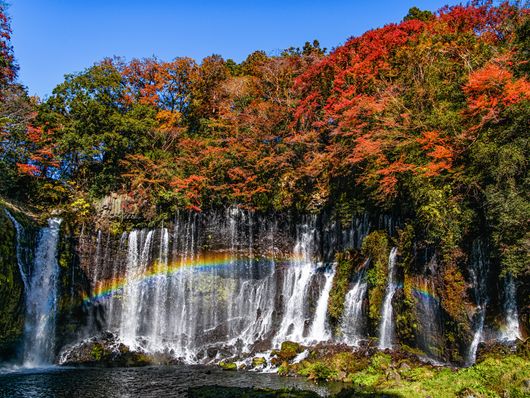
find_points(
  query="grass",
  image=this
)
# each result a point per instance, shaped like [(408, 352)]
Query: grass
[(495, 376)]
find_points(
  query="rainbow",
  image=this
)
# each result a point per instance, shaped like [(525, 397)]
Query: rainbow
[(107, 288), (424, 294)]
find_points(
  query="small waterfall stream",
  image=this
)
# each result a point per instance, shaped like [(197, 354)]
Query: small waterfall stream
[(41, 299), (386, 329), (429, 333), (479, 279), (352, 322), (295, 286), (19, 250), (320, 329), (511, 332)]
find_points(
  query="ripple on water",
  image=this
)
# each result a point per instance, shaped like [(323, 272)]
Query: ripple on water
[(58, 382)]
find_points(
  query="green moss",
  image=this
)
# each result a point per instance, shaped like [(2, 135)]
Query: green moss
[(225, 365), (455, 302), (376, 246), (405, 312), (258, 361), (97, 352), (318, 371), (283, 369), (345, 265), (494, 377), (289, 350)]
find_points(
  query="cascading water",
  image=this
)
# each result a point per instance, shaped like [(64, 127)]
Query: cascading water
[(159, 325), (479, 279), (511, 332), (180, 300), (352, 321), (386, 329), (225, 284), (19, 250), (296, 282), (429, 335), (213, 287), (320, 329), (41, 299), (134, 292)]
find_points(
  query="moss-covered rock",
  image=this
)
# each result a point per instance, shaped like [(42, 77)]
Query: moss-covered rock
[(11, 290), (318, 371), (455, 303), (498, 373), (104, 351), (288, 350), (346, 262), (258, 362), (227, 365), (376, 247)]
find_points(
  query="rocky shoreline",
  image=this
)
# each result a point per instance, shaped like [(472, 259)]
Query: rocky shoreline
[(364, 369)]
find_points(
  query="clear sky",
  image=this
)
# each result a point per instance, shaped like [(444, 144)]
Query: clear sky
[(55, 37)]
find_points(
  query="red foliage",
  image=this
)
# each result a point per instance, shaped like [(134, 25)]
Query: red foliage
[(28, 169), (8, 69), (491, 89)]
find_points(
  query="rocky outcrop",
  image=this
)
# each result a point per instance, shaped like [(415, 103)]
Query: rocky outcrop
[(106, 351), (11, 290)]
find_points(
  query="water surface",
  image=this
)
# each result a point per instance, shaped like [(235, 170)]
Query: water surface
[(170, 381)]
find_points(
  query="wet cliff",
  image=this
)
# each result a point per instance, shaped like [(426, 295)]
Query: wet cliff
[(228, 284)]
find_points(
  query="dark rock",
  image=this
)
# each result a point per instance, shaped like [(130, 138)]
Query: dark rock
[(104, 351)]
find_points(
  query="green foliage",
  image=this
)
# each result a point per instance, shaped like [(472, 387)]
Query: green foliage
[(492, 376), (97, 352), (317, 371), (376, 247), (346, 262), (405, 306), (442, 218), (283, 369), (416, 13)]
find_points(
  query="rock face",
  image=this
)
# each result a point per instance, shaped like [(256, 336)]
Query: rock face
[(232, 284), (105, 351), (11, 290)]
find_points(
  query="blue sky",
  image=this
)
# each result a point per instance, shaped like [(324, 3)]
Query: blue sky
[(55, 37)]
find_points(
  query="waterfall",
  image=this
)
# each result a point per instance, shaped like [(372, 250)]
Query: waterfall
[(512, 332), (479, 279), (41, 299), (386, 329), (114, 275), (134, 291), (221, 284), (159, 325), (192, 303), (320, 329), (429, 335), (19, 249), (295, 286), (352, 321)]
